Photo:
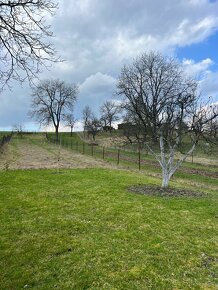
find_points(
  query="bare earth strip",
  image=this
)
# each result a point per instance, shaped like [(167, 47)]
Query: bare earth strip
[(35, 153)]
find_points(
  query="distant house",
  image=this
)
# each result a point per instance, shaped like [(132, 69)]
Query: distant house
[(130, 129), (123, 126), (108, 128)]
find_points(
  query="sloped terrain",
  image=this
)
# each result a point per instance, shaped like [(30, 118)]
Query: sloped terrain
[(34, 152)]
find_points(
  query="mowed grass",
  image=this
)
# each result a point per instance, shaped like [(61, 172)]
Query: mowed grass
[(82, 229)]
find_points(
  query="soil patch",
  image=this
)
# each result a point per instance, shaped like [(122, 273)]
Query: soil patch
[(159, 191)]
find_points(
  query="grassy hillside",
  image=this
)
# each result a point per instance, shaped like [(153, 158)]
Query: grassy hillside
[(203, 153), (129, 158)]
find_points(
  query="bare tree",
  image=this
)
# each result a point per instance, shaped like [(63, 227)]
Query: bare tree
[(24, 38), (87, 116), (150, 84), (70, 122), (158, 94), (19, 128), (210, 128), (93, 126), (52, 100), (109, 111)]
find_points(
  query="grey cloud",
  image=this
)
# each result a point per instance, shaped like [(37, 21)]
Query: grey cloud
[(14, 106), (95, 35), (95, 90)]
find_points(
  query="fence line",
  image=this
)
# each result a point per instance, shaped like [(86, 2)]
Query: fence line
[(5, 139), (111, 154)]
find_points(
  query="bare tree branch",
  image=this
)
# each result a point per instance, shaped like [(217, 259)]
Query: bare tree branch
[(24, 39), (109, 113)]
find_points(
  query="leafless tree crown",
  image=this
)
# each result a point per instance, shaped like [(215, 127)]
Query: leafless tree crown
[(52, 101), (156, 90), (109, 113), (87, 116), (70, 121), (24, 38)]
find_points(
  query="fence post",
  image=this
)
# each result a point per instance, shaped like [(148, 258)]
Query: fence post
[(92, 149), (103, 153), (118, 157), (71, 144), (83, 147), (139, 159)]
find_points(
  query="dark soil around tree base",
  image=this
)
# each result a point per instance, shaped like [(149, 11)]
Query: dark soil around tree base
[(159, 191)]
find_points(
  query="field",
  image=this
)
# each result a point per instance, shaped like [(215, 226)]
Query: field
[(74, 223)]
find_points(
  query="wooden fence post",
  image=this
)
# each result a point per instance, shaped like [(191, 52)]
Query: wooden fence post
[(139, 159), (92, 149), (118, 157)]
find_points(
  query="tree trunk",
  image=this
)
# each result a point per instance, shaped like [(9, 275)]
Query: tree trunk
[(56, 133), (165, 179), (168, 165)]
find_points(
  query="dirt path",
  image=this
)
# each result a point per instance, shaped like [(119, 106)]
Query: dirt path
[(33, 152)]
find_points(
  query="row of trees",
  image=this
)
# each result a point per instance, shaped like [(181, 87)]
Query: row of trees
[(53, 102), (160, 103), (109, 113)]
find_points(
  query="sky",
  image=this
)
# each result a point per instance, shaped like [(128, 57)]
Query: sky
[(96, 38)]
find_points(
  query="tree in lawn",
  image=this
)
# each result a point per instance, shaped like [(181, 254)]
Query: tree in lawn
[(24, 46), (109, 113), (52, 100), (70, 122), (156, 91)]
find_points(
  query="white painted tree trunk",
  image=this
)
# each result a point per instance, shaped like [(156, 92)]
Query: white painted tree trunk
[(165, 178), (168, 165)]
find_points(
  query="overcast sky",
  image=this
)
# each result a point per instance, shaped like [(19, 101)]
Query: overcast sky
[(96, 37)]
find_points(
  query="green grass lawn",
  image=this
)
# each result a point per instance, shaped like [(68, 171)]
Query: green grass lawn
[(82, 229)]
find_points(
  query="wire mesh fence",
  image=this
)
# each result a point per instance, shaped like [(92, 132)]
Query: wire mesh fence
[(137, 159), (5, 139)]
